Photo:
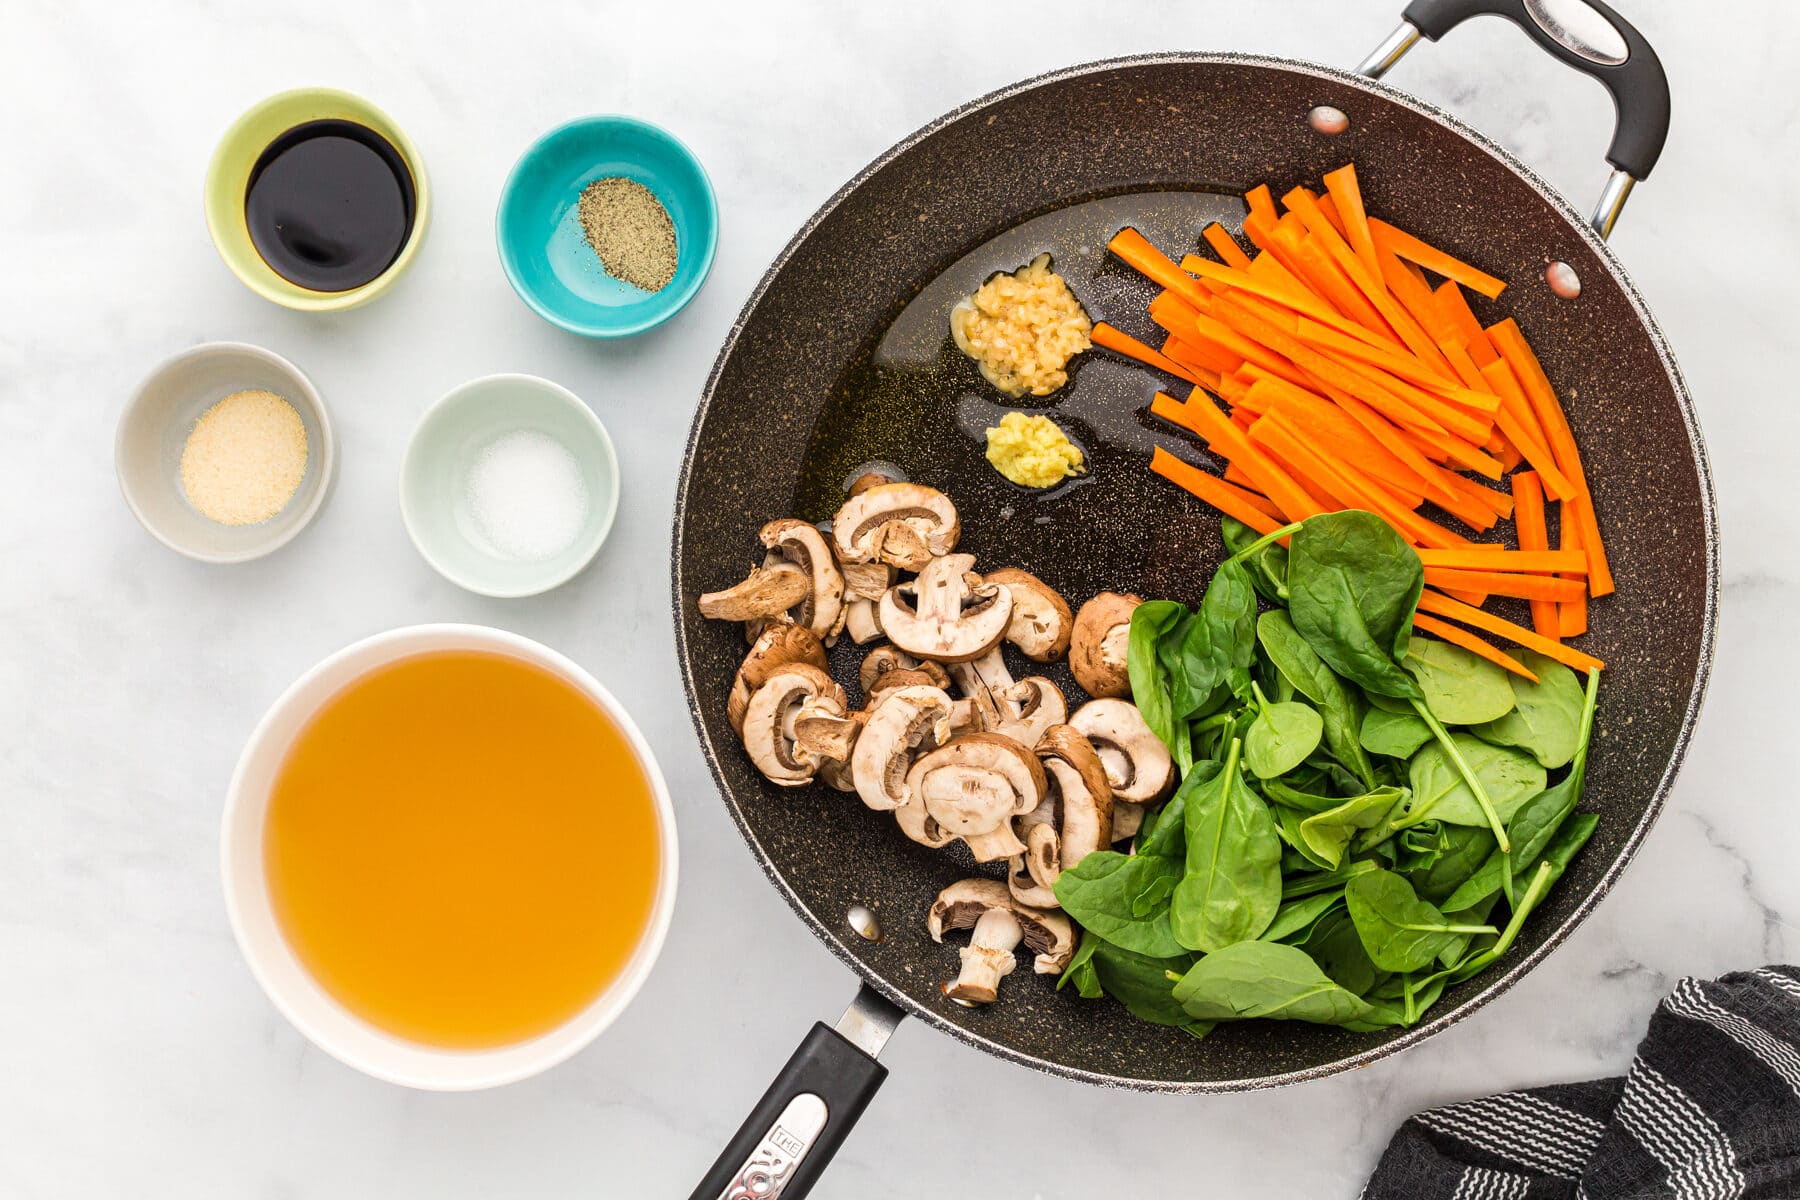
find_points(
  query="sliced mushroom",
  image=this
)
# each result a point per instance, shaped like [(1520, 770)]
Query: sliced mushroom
[(909, 677), (776, 646), (901, 524), (1000, 923), (948, 613), (770, 716), (824, 731), (1074, 821), (1098, 645), (973, 786), (862, 619), (1021, 710), (1041, 622), (868, 580), (1128, 818), (909, 721), (767, 590), (822, 608), (1138, 766), (883, 659)]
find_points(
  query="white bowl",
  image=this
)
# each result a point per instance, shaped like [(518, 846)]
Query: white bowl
[(313, 1011)]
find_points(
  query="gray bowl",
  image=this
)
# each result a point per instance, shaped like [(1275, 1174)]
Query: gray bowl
[(155, 425)]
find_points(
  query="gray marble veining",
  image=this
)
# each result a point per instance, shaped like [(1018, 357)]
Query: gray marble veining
[(138, 1052)]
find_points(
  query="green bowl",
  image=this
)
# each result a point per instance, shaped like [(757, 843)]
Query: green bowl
[(442, 453), (228, 177)]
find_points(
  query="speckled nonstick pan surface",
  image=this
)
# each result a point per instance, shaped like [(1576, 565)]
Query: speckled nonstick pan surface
[(802, 391)]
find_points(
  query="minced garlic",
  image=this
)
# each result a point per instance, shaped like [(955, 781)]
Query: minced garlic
[(1032, 451), (1022, 329), (244, 459)]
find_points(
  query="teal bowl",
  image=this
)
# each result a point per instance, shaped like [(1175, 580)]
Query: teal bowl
[(546, 255), (442, 455)]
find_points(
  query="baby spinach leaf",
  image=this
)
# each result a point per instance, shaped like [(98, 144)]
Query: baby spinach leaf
[(1399, 931), (1151, 684), (1168, 836), (1326, 835), (1280, 792), (1287, 824), (1460, 687), (1396, 735), (1547, 715), (1418, 846), (1392, 704), (1466, 848), (1222, 636), (1510, 777), (1280, 737), (1337, 948), (1475, 914), (1296, 919), (1306, 884), (1124, 899), (1080, 970), (1339, 706), (1267, 566), (1232, 886), (1353, 584), (1141, 983), (1264, 979), (1403, 1002)]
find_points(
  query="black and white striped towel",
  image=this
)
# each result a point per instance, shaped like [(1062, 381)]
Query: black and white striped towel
[(1709, 1111)]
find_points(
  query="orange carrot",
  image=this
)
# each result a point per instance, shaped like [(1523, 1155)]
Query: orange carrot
[(1517, 421), (1326, 424), (1456, 308), (1261, 202), (1457, 450), (1137, 252), (1444, 606), (1315, 478), (1490, 559), (1572, 617), (1315, 266), (1247, 349), (1468, 641), (1200, 358), (1340, 482), (1223, 496), (1328, 206), (1229, 441), (1432, 259), (1119, 342), (1537, 588), (1496, 502), (1225, 246), (1392, 361), (1346, 194), (1534, 534)]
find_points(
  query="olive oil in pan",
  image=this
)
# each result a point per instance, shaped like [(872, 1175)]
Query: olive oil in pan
[(913, 399), (329, 205)]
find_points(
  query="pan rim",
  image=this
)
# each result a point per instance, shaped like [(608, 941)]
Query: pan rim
[(1690, 716)]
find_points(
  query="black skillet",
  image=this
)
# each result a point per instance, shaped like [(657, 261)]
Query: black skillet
[(840, 356)]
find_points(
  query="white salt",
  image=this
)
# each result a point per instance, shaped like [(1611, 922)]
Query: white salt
[(527, 495)]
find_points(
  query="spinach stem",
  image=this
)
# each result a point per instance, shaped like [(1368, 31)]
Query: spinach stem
[(1264, 540), (1412, 1008), (1262, 701), (1468, 929), (1462, 768)]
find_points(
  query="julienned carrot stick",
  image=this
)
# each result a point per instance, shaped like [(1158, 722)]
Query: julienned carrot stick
[(1392, 361), (1414, 294), (1328, 206), (1468, 641), (1537, 588), (1120, 342), (1228, 441), (1248, 349), (1457, 450), (1250, 495), (1325, 489), (1520, 425), (1295, 297), (1340, 482), (1225, 246), (1314, 264), (1261, 202), (1329, 425), (1346, 195), (1137, 252), (1444, 606), (1409, 330), (1200, 358), (1572, 617), (1456, 307), (1534, 534), (1216, 492), (1432, 259), (1545, 561), (1391, 436)]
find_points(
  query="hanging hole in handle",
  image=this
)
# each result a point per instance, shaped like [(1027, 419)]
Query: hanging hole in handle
[(1581, 30)]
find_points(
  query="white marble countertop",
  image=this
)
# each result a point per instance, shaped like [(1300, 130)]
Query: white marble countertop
[(140, 1058)]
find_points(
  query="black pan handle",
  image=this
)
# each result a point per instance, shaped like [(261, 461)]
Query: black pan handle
[(1587, 35), (789, 1138)]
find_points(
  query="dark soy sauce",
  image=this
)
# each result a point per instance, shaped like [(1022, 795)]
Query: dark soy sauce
[(329, 205)]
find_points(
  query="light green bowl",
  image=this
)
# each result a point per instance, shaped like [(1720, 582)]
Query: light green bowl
[(228, 178), (433, 481)]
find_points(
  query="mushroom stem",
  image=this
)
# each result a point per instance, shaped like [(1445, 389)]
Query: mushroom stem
[(987, 957)]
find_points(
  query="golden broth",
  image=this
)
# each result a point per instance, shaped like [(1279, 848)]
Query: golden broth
[(462, 849)]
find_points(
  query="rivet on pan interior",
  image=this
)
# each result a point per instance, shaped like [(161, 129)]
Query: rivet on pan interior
[(944, 987), (1563, 280), (1328, 120), (864, 922)]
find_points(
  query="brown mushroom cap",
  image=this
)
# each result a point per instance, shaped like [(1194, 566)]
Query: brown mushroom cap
[(907, 722), (1048, 934), (769, 721), (1074, 821), (1098, 645), (947, 614), (973, 786), (1137, 763), (902, 524), (822, 608), (1041, 622), (769, 589), (885, 659), (776, 646)]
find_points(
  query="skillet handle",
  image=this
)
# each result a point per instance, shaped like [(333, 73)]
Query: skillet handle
[(1588, 36), (789, 1138)]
